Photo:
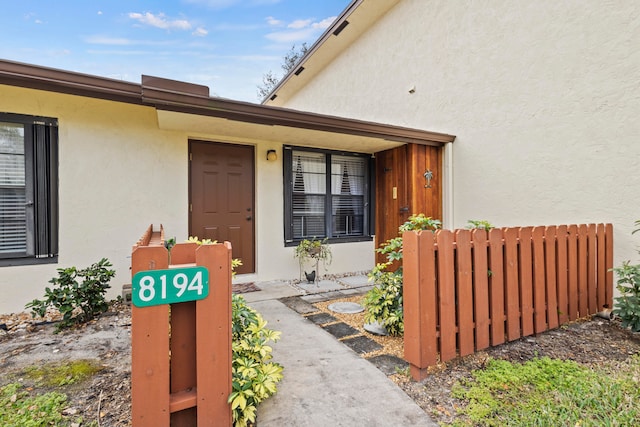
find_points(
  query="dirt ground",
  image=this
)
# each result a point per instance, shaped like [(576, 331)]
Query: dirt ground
[(105, 399)]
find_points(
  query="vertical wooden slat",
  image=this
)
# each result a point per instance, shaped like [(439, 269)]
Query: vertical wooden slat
[(550, 269), (213, 334), (512, 294), (562, 274), (539, 292), (419, 302), (464, 292), (608, 229), (446, 294), (183, 253), (481, 288), (183, 358), (496, 286), (583, 296), (572, 254), (591, 269), (526, 281), (149, 349), (601, 269)]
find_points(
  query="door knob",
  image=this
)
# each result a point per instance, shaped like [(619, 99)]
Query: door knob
[(249, 218)]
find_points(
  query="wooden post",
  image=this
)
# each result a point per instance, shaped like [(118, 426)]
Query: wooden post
[(181, 371), (420, 299), (149, 349)]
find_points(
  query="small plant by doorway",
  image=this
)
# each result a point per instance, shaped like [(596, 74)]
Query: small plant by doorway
[(312, 252)]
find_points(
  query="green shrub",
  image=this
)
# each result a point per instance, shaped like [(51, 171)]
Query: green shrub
[(628, 303), (254, 377), (79, 295), (481, 224), (383, 303)]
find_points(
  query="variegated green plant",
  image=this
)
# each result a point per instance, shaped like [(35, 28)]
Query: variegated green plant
[(254, 376)]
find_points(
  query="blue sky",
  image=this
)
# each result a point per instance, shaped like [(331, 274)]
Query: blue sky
[(225, 44)]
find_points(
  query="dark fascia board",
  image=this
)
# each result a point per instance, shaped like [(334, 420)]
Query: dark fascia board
[(337, 26), (170, 95), (276, 116), (54, 80)]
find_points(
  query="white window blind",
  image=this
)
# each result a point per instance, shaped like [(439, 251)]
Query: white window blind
[(347, 195), (309, 190), (13, 219)]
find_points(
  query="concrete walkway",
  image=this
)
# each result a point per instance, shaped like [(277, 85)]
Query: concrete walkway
[(325, 382)]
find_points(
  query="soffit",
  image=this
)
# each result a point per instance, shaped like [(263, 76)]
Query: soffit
[(360, 15), (236, 131)]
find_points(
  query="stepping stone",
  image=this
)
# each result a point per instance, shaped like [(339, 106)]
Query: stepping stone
[(340, 330), (388, 364), (320, 286), (346, 307), (352, 281), (298, 305), (361, 344), (321, 318), (324, 296), (376, 329)]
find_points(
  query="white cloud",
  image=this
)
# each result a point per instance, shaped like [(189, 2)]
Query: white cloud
[(119, 41), (37, 21), (299, 23), (325, 23), (160, 21), (273, 21), (301, 30), (200, 32), (99, 12)]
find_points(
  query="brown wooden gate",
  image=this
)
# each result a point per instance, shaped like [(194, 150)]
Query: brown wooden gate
[(221, 180), (403, 190)]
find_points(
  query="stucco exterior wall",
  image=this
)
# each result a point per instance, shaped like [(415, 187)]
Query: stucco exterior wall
[(118, 173), (543, 97)]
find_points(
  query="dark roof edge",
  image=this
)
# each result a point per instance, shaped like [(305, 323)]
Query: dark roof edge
[(326, 35), (55, 80), (277, 116), (183, 97)]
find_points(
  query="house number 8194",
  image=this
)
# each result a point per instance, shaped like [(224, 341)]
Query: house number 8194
[(156, 287)]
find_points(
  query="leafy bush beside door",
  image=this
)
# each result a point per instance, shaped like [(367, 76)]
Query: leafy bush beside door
[(383, 303)]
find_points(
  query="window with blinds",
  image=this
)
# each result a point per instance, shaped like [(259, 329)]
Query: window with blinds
[(326, 195), (28, 189), (13, 217)]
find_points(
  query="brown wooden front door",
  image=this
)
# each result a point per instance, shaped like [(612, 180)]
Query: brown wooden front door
[(402, 189), (221, 180)]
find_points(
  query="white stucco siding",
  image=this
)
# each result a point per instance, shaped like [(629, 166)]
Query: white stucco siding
[(118, 173), (114, 180), (544, 98)]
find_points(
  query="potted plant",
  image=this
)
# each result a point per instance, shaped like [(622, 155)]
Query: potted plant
[(313, 251)]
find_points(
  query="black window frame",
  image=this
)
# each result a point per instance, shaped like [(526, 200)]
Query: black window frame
[(41, 190), (368, 196)]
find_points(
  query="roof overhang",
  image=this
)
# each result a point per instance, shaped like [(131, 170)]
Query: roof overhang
[(188, 107), (351, 24)]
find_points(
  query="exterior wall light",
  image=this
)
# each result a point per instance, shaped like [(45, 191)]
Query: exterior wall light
[(272, 156)]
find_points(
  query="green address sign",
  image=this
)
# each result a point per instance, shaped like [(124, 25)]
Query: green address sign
[(157, 287)]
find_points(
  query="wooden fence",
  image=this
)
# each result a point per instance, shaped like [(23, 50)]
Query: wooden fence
[(465, 290), (172, 384)]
